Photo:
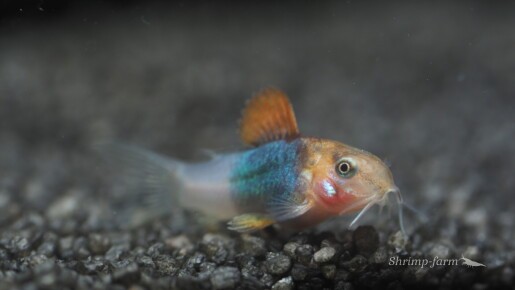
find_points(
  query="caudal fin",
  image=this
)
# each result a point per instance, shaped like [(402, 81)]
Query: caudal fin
[(146, 185)]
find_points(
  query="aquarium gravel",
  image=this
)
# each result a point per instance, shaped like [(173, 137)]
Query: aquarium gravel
[(428, 87)]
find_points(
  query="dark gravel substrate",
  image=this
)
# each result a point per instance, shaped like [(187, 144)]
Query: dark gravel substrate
[(429, 87)]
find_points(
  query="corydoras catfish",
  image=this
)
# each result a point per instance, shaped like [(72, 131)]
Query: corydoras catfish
[(282, 178)]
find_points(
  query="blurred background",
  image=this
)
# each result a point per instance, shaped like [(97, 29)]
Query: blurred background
[(428, 86)]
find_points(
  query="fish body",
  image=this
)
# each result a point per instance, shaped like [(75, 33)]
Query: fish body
[(283, 178)]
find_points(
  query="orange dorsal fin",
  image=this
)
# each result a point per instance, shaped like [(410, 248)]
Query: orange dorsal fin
[(268, 117)]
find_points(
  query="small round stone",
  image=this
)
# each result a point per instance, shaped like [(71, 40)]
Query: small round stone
[(166, 265), (304, 253), (329, 271), (65, 247), (285, 283), (98, 244), (126, 275), (195, 261), (115, 252), (64, 207), (179, 242), (398, 241), (299, 272), (471, 252), (215, 247), (267, 279), (324, 255), (440, 250), (366, 239), (277, 263), (380, 256), (290, 248), (145, 261), (341, 275), (254, 246), (356, 264), (225, 278)]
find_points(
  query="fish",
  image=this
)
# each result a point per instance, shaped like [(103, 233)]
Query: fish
[(281, 178)]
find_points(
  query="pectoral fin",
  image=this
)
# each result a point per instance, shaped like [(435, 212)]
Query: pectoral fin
[(246, 223), (268, 117), (286, 207)]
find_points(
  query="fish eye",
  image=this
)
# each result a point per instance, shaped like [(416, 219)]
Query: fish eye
[(346, 168)]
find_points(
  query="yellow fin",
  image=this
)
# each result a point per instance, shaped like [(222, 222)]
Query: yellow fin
[(268, 117), (247, 223)]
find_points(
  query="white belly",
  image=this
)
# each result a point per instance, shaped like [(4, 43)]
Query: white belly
[(207, 188)]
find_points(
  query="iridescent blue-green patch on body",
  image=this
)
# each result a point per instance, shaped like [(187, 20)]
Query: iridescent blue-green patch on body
[(264, 172)]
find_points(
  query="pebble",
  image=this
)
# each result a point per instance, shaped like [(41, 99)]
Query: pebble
[(207, 267), (421, 273), (47, 249), (66, 247), (329, 271), (299, 272), (155, 249), (252, 270), (324, 255), (244, 260), (471, 252), (304, 253), (181, 242), (380, 256), (37, 260), (64, 207), (346, 240), (145, 262), (277, 263), (80, 248), (290, 248), (166, 265), (398, 241), (249, 281), (92, 266), (98, 244), (115, 252), (195, 261), (366, 239), (344, 286), (440, 250), (332, 243), (356, 264), (285, 283), (254, 246), (126, 275), (186, 280), (341, 275), (21, 246), (225, 278), (267, 279), (215, 247), (9, 209)]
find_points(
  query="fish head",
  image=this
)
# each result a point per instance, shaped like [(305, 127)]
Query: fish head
[(345, 179)]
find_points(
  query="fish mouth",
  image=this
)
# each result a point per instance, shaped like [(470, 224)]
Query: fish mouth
[(358, 204), (376, 198), (365, 204), (395, 191)]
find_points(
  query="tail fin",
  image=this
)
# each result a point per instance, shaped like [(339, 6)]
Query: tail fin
[(145, 185)]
